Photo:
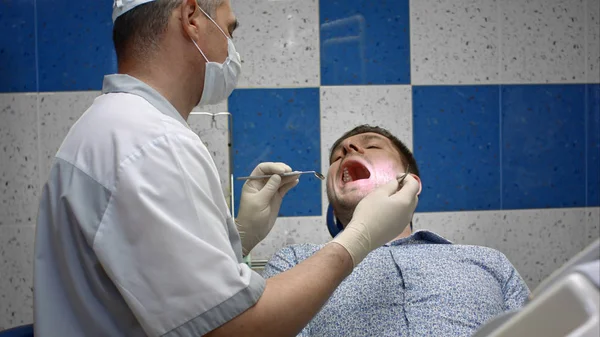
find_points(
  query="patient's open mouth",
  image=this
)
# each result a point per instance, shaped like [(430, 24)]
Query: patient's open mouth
[(353, 170)]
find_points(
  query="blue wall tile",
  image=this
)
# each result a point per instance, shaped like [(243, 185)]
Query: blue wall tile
[(17, 46), (543, 136), (279, 125), (365, 42), (74, 44), (593, 145), (456, 145)]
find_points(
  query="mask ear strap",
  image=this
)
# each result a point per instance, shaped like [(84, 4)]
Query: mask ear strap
[(200, 50), (213, 21)]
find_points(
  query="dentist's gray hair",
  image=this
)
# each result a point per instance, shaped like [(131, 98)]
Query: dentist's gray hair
[(138, 32), (210, 6)]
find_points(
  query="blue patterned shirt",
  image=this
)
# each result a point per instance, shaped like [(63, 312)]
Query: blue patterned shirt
[(422, 285)]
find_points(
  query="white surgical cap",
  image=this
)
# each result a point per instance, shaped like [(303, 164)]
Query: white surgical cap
[(121, 7)]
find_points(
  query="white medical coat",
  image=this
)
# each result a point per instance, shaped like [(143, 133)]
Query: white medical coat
[(134, 236)]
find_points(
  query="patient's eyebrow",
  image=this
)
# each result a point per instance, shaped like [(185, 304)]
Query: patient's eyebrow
[(371, 137)]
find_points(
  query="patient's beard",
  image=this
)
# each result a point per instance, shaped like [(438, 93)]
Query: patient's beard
[(344, 205), (343, 209)]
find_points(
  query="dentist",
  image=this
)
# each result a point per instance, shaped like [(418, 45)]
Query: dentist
[(134, 237)]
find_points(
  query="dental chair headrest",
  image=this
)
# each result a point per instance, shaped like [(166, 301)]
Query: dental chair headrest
[(333, 224)]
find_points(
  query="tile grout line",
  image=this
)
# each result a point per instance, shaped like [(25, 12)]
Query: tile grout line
[(411, 118), (410, 71), (511, 210), (292, 86), (585, 141), (499, 22), (38, 117), (322, 207), (501, 146), (37, 58), (585, 39), (500, 120), (39, 146), (585, 104), (320, 82), (410, 39)]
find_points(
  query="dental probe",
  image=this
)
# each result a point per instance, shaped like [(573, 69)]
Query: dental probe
[(317, 174)]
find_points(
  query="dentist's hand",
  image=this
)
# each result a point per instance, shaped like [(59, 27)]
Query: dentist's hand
[(379, 218), (260, 202)]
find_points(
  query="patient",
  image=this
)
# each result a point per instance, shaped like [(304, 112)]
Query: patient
[(420, 284)]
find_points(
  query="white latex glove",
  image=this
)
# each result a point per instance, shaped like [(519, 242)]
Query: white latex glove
[(379, 218), (260, 202)]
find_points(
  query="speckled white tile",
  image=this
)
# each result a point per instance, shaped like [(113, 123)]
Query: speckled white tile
[(278, 42), (593, 225), (593, 41), (454, 42), (214, 133), (537, 242), (16, 270), (542, 41), (541, 241), (213, 109), (345, 107), (289, 231), (58, 112), (469, 228), (18, 158)]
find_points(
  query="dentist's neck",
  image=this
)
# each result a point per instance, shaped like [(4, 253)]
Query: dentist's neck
[(172, 84), (173, 69)]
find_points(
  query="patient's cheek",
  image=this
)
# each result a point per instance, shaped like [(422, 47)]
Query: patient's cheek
[(384, 173)]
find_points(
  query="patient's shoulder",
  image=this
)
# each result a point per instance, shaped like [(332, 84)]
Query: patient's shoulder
[(300, 251), (480, 250), (288, 257), (486, 255)]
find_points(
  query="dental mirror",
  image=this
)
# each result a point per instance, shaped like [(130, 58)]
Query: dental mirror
[(401, 179), (315, 173)]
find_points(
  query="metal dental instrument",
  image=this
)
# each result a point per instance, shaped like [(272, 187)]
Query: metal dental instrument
[(317, 174), (401, 179)]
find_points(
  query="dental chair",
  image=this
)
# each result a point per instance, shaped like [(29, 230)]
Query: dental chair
[(566, 304), (333, 225)]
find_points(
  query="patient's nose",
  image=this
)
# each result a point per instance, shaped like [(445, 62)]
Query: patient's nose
[(352, 147)]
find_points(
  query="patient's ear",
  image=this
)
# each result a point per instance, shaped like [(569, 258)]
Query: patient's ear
[(420, 184)]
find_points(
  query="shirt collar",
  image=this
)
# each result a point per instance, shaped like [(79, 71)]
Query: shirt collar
[(121, 83), (421, 236)]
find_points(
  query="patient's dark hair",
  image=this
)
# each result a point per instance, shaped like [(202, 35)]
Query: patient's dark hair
[(406, 156)]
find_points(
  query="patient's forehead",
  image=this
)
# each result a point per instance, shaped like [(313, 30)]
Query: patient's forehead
[(365, 137)]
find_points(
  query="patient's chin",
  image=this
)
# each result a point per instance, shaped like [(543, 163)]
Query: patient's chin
[(360, 191), (352, 198)]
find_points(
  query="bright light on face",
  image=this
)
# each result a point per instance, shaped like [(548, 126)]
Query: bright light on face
[(360, 164)]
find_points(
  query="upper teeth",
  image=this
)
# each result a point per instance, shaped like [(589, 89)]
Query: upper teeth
[(346, 175)]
